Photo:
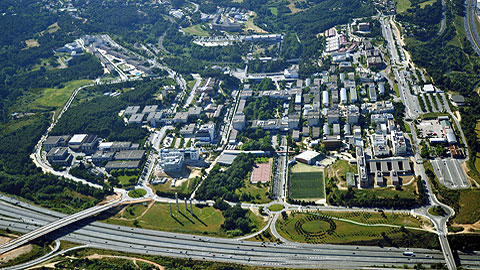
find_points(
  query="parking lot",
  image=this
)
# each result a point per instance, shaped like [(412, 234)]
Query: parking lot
[(450, 173), (430, 129)]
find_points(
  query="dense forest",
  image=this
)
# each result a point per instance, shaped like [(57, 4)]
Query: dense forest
[(422, 23), (21, 67), (262, 108), (255, 139), (222, 183), (128, 21), (20, 176), (99, 115)]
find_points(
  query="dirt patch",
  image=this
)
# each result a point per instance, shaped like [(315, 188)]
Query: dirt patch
[(473, 183), (111, 198), (14, 253), (133, 259), (468, 228), (262, 172)]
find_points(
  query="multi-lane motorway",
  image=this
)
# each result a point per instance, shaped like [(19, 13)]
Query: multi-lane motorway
[(470, 27), (24, 218)]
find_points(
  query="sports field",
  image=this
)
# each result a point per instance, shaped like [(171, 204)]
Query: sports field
[(306, 182)]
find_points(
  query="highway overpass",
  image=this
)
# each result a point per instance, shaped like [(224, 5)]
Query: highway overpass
[(55, 225)]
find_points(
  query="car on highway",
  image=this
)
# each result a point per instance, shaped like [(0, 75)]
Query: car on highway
[(409, 253)]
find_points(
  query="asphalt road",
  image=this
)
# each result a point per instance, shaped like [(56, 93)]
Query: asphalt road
[(112, 237), (450, 173)]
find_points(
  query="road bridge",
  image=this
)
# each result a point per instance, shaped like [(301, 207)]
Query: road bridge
[(55, 225)]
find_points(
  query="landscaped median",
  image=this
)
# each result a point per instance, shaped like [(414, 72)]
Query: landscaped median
[(137, 193), (276, 207)]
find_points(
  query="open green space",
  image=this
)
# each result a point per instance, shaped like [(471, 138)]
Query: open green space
[(402, 5), (385, 197), (274, 11), (205, 220), (127, 180), (339, 170), (197, 30), (395, 88), (310, 228), (184, 189), (276, 207), (133, 211), (137, 193), (254, 193), (386, 217), (306, 182), (50, 98)]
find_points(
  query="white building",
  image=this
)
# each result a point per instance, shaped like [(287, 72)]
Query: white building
[(399, 145), (206, 133)]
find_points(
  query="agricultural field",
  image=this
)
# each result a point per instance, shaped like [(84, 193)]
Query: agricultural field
[(306, 182), (310, 228)]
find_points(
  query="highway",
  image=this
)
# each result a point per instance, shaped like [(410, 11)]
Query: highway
[(53, 226), (112, 237), (470, 26)]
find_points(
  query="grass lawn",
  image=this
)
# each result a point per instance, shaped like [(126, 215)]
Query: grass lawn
[(133, 211), (258, 193), (197, 30), (306, 182), (395, 88), (460, 32), (308, 228), (250, 25), (137, 193), (340, 168), (49, 99), (469, 210), (186, 187), (205, 221), (276, 207), (379, 218), (125, 179), (274, 11), (429, 2), (403, 5), (53, 97)]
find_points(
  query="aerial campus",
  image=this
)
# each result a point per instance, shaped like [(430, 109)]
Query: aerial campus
[(254, 134)]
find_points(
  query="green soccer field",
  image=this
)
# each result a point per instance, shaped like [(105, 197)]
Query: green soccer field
[(307, 182)]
